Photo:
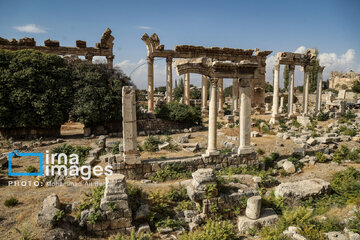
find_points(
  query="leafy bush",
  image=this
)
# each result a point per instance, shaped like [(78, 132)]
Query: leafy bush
[(173, 171), (320, 157), (115, 148), (92, 200), (171, 223), (354, 223), (59, 216), (31, 169), (323, 116), (269, 161), (179, 112), (260, 151), (136, 196), (36, 89), (151, 143), (212, 230), (81, 151), (11, 202)]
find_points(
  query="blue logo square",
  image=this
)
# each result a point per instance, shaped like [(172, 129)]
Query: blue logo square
[(40, 155)]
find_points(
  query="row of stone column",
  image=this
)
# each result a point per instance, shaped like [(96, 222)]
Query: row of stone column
[(291, 113), (244, 95), (204, 81)]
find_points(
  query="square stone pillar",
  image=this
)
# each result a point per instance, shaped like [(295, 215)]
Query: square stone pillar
[(221, 96), (150, 61), (291, 91), (235, 96), (187, 89), (212, 129), (169, 79), (306, 70), (204, 86), (131, 154), (275, 106), (245, 117), (319, 90)]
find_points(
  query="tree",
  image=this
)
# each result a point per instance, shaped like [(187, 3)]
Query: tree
[(286, 76), (36, 89), (356, 86), (268, 87), (179, 89), (228, 92), (161, 89)]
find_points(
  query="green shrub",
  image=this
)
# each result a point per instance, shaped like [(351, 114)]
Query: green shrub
[(260, 151), (59, 215), (31, 169), (323, 116), (179, 112), (115, 148), (354, 223), (296, 162), (171, 223), (212, 230), (11, 202), (320, 157), (136, 196), (92, 200), (172, 171), (81, 151), (151, 143), (295, 123)]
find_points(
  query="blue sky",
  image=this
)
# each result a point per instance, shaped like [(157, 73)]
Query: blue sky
[(330, 26)]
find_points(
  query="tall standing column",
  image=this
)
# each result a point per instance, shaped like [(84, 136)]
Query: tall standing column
[(150, 61), (221, 96), (245, 117), (212, 129), (131, 154), (275, 106), (235, 96), (187, 89), (169, 79), (291, 91), (204, 86), (306, 90), (319, 90)]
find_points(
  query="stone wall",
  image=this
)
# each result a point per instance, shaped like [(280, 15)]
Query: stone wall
[(29, 133), (337, 79), (148, 167)]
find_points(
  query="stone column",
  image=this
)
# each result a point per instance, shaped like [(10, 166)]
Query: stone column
[(281, 108), (131, 154), (212, 129), (235, 96), (150, 61), (306, 89), (275, 106), (89, 58), (221, 96), (291, 91), (110, 60), (187, 89), (204, 86), (245, 117), (169, 79), (319, 90)]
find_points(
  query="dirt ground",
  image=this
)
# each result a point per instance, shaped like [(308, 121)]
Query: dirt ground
[(31, 197)]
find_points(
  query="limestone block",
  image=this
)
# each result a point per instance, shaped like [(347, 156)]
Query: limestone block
[(253, 207), (336, 236), (268, 217), (289, 167)]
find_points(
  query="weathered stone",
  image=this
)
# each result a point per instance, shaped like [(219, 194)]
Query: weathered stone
[(289, 167), (60, 234), (304, 189), (336, 236), (183, 139), (163, 146), (144, 229), (142, 212), (268, 217), (253, 207), (45, 217), (311, 141)]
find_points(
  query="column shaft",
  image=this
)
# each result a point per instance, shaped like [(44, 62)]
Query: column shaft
[(221, 96), (291, 91), (235, 96), (275, 107), (204, 86), (150, 62), (169, 79), (187, 89), (245, 118), (212, 129), (319, 90), (306, 90), (110, 60)]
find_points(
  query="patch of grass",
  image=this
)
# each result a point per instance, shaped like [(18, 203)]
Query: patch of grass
[(354, 223), (213, 230), (26, 232), (171, 223), (320, 157), (11, 202)]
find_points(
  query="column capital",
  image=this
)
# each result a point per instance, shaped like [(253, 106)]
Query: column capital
[(291, 67), (150, 59), (244, 83), (213, 81), (306, 68), (168, 59), (277, 66), (321, 69), (110, 57)]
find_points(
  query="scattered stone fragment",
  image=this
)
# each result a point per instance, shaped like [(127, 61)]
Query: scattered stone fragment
[(268, 217)]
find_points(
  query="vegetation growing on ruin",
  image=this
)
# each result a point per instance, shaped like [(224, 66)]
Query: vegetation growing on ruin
[(214, 230), (92, 200), (171, 172), (81, 151)]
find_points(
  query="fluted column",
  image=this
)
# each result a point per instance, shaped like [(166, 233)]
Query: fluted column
[(291, 91), (319, 89), (169, 79), (235, 96), (212, 129), (275, 106), (306, 89), (204, 86), (150, 62), (245, 117), (187, 89), (221, 96)]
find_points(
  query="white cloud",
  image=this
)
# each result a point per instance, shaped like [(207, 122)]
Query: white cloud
[(30, 28), (144, 27), (300, 49)]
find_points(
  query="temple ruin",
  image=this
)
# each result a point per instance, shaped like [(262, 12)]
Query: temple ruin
[(339, 80), (155, 49), (102, 48), (306, 61)]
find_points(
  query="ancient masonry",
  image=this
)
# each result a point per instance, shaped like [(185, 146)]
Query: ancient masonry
[(306, 61), (338, 79), (103, 48), (257, 84)]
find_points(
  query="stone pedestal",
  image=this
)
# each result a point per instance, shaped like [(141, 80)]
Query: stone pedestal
[(275, 106), (150, 62), (212, 129), (131, 154), (187, 89), (291, 91), (245, 117), (169, 80), (253, 207), (235, 96), (221, 96), (204, 86)]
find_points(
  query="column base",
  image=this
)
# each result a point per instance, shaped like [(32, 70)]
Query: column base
[(132, 159), (291, 116), (204, 112), (211, 153), (245, 150), (236, 112), (274, 119)]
